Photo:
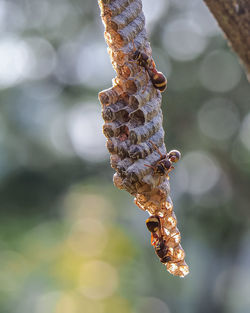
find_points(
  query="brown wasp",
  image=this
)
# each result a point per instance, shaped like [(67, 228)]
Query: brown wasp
[(158, 79), (160, 244), (164, 165)]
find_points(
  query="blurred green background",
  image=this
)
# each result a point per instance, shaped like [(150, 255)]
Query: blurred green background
[(70, 242)]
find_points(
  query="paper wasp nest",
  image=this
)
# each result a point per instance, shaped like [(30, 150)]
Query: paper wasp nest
[(132, 113)]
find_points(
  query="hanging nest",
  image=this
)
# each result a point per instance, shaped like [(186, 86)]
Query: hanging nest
[(133, 118)]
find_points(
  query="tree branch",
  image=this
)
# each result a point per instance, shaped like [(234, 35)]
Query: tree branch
[(233, 16)]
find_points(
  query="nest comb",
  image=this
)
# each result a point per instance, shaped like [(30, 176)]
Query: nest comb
[(132, 113)]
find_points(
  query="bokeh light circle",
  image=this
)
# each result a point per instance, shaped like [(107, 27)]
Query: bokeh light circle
[(200, 13), (154, 12), (88, 237), (218, 119), (80, 205), (14, 61), (12, 16), (220, 71), (85, 132), (42, 58), (238, 288), (76, 303), (67, 303), (152, 304), (46, 302), (93, 65), (183, 40), (202, 172), (98, 280)]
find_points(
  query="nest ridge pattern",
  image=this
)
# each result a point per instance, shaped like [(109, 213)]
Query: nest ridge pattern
[(133, 127)]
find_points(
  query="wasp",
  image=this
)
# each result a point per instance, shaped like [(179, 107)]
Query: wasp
[(159, 81), (165, 164), (160, 244)]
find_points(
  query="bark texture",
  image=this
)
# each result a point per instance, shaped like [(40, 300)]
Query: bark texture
[(233, 16), (132, 113)]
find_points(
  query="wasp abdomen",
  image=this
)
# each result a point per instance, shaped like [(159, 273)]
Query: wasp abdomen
[(153, 223), (159, 81), (165, 259)]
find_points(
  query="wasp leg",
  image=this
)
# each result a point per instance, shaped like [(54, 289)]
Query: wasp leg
[(159, 181), (153, 241), (163, 156), (149, 166), (168, 171)]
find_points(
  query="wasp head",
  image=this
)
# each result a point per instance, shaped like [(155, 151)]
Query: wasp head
[(174, 156)]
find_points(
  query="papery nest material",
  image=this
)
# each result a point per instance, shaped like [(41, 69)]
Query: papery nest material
[(132, 113)]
